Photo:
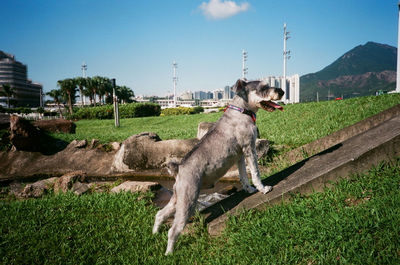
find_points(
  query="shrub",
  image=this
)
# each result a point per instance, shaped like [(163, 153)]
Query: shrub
[(181, 111), (132, 110)]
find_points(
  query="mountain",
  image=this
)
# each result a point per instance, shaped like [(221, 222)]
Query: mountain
[(359, 72)]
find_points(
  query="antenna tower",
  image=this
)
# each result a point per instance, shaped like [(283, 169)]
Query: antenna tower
[(244, 68), (286, 56), (174, 79)]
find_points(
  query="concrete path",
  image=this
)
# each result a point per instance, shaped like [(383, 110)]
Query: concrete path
[(354, 155)]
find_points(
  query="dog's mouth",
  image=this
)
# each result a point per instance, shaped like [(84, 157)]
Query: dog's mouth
[(270, 106)]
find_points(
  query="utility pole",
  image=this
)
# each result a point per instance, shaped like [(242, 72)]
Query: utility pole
[(244, 69), (84, 68), (398, 55), (174, 79), (286, 56), (116, 107)]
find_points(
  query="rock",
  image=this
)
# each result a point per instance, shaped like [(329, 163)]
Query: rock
[(37, 189), (56, 126), (146, 151), (23, 135), (162, 197), (94, 143), (79, 188), (115, 146), (203, 128), (78, 144), (136, 186), (16, 189), (26, 137), (66, 182)]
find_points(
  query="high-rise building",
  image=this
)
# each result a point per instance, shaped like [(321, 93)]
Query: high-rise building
[(14, 73), (292, 94)]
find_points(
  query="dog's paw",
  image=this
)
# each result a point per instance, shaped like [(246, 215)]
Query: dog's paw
[(250, 189), (266, 189)]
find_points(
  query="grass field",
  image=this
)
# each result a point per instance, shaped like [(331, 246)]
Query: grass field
[(298, 124), (357, 221)]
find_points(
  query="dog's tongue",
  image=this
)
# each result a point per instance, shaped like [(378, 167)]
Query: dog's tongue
[(274, 105)]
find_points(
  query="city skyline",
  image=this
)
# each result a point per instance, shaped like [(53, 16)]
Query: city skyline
[(137, 42)]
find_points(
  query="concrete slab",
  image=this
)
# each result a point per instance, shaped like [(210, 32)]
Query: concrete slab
[(355, 155)]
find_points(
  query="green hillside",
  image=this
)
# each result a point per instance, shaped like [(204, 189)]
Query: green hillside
[(360, 72)]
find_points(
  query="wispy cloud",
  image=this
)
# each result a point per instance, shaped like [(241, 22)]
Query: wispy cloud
[(217, 9)]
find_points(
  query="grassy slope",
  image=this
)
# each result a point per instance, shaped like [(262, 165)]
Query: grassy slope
[(357, 221), (297, 125)]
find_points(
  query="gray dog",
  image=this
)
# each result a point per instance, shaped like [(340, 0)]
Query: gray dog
[(232, 140)]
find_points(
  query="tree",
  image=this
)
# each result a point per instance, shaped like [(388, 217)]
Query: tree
[(81, 82), (91, 84), (56, 95), (124, 94), (8, 92), (68, 88)]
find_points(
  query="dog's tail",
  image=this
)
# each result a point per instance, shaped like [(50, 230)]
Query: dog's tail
[(173, 168)]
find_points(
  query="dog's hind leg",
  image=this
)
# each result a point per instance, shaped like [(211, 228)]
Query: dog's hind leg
[(185, 206), (243, 176), (165, 213)]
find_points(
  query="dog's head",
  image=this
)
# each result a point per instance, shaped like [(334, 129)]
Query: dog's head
[(258, 94)]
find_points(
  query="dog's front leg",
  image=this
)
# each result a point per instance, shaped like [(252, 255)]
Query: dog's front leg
[(243, 176), (251, 159)]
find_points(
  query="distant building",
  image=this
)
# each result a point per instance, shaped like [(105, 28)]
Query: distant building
[(218, 94), (292, 93), (14, 73), (187, 95), (228, 93), (200, 95)]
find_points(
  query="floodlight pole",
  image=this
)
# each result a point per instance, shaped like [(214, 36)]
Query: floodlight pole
[(174, 79), (286, 55), (116, 108), (244, 69), (84, 68)]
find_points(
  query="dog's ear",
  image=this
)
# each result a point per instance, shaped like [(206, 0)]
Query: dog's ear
[(239, 86)]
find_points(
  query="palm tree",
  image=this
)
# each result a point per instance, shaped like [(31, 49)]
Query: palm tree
[(124, 94), (8, 92), (56, 95), (87, 92), (81, 82), (68, 87), (91, 84)]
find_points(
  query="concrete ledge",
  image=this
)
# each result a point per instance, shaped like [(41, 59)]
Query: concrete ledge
[(354, 155)]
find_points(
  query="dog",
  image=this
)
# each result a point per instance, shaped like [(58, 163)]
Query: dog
[(231, 140)]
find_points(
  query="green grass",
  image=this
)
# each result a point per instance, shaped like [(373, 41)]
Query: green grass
[(357, 221), (297, 125)]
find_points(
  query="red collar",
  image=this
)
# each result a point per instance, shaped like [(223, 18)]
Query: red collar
[(244, 111)]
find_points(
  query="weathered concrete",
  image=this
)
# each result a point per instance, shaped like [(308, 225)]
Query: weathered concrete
[(354, 155)]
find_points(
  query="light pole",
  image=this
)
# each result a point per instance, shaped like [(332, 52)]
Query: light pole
[(84, 68), (398, 55), (244, 59), (116, 108), (174, 79), (286, 56)]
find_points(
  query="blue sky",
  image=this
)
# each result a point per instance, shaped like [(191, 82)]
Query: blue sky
[(136, 41)]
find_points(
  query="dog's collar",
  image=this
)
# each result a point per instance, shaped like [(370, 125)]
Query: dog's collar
[(244, 111)]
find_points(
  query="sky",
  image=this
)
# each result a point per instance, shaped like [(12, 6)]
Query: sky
[(136, 41)]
